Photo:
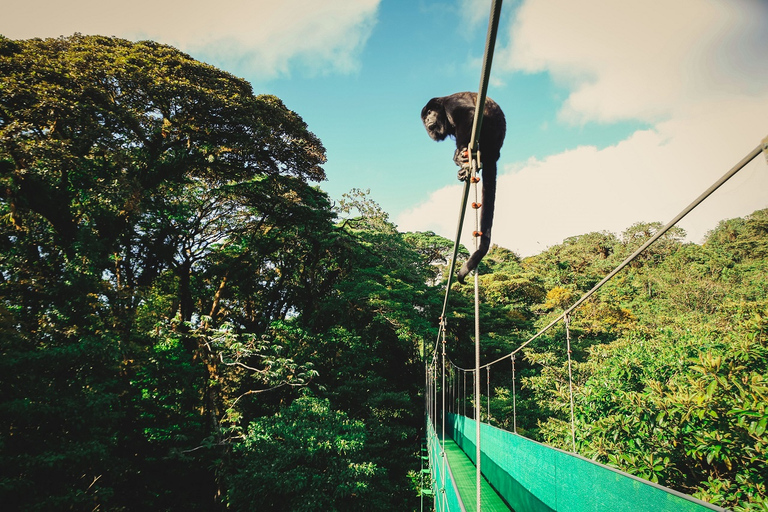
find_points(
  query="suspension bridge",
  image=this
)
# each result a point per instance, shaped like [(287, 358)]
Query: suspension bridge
[(523, 475), (474, 466)]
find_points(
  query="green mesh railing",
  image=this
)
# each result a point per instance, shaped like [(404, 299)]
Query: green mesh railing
[(532, 477), (446, 493)]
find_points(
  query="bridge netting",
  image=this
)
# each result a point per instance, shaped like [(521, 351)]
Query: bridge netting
[(526, 476)]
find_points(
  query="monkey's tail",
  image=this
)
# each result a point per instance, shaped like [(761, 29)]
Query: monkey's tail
[(486, 220)]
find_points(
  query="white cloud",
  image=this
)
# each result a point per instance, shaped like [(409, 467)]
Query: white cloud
[(651, 176), (268, 35), (680, 65), (640, 60)]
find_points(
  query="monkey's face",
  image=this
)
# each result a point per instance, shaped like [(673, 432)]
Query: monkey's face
[(435, 122)]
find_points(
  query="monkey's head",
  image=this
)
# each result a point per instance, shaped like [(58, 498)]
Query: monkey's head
[(435, 121)]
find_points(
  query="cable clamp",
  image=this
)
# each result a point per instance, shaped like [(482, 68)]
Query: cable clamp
[(477, 205), (477, 233), (474, 179)]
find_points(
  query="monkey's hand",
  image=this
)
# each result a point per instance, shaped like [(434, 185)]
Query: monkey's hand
[(461, 157)]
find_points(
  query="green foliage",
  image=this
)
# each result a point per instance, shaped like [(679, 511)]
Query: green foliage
[(670, 365), (436, 251), (169, 282), (742, 238), (695, 405), (580, 261), (58, 417), (307, 457)]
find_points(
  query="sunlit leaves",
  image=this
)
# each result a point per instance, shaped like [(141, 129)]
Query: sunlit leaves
[(670, 375)]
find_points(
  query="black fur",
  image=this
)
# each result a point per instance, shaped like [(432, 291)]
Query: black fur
[(454, 115)]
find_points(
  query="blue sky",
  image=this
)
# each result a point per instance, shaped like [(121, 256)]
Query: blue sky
[(617, 112)]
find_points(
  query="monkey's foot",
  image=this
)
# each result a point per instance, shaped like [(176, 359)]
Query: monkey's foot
[(464, 173)]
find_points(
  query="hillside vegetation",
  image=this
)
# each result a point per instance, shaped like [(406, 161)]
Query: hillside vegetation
[(670, 367)]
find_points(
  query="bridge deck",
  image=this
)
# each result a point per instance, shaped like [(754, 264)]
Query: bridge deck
[(464, 474)]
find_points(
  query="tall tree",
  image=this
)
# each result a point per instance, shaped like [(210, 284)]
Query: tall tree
[(156, 219)]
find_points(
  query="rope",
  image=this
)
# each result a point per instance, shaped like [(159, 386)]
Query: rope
[(442, 452), (488, 392), (567, 321), (514, 398), (490, 45), (478, 471), (463, 404)]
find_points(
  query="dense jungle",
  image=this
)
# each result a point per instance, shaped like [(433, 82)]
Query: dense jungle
[(188, 322)]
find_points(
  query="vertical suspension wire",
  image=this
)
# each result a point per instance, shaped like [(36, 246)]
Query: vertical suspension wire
[(474, 394), (450, 387), (432, 395), (514, 398), (435, 383), (567, 320), (473, 158), (459, 390), (428, 440), (442, 416), (464, 399), (426, 392), (438, 486), (488, 391), (455, 388), (429, 393)]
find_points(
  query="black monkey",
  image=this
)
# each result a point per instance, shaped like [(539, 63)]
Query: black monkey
[(454, 115)]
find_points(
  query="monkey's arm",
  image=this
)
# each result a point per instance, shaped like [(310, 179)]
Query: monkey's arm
[(461, 112)]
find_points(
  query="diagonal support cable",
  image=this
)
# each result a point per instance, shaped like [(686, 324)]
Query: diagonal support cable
[(696, 202)]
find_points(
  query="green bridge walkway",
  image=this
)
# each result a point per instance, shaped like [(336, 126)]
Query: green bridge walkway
[(525, 476), (465, 476)]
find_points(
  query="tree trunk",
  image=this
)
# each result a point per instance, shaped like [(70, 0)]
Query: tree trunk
[(217, 298), (186, 303)]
